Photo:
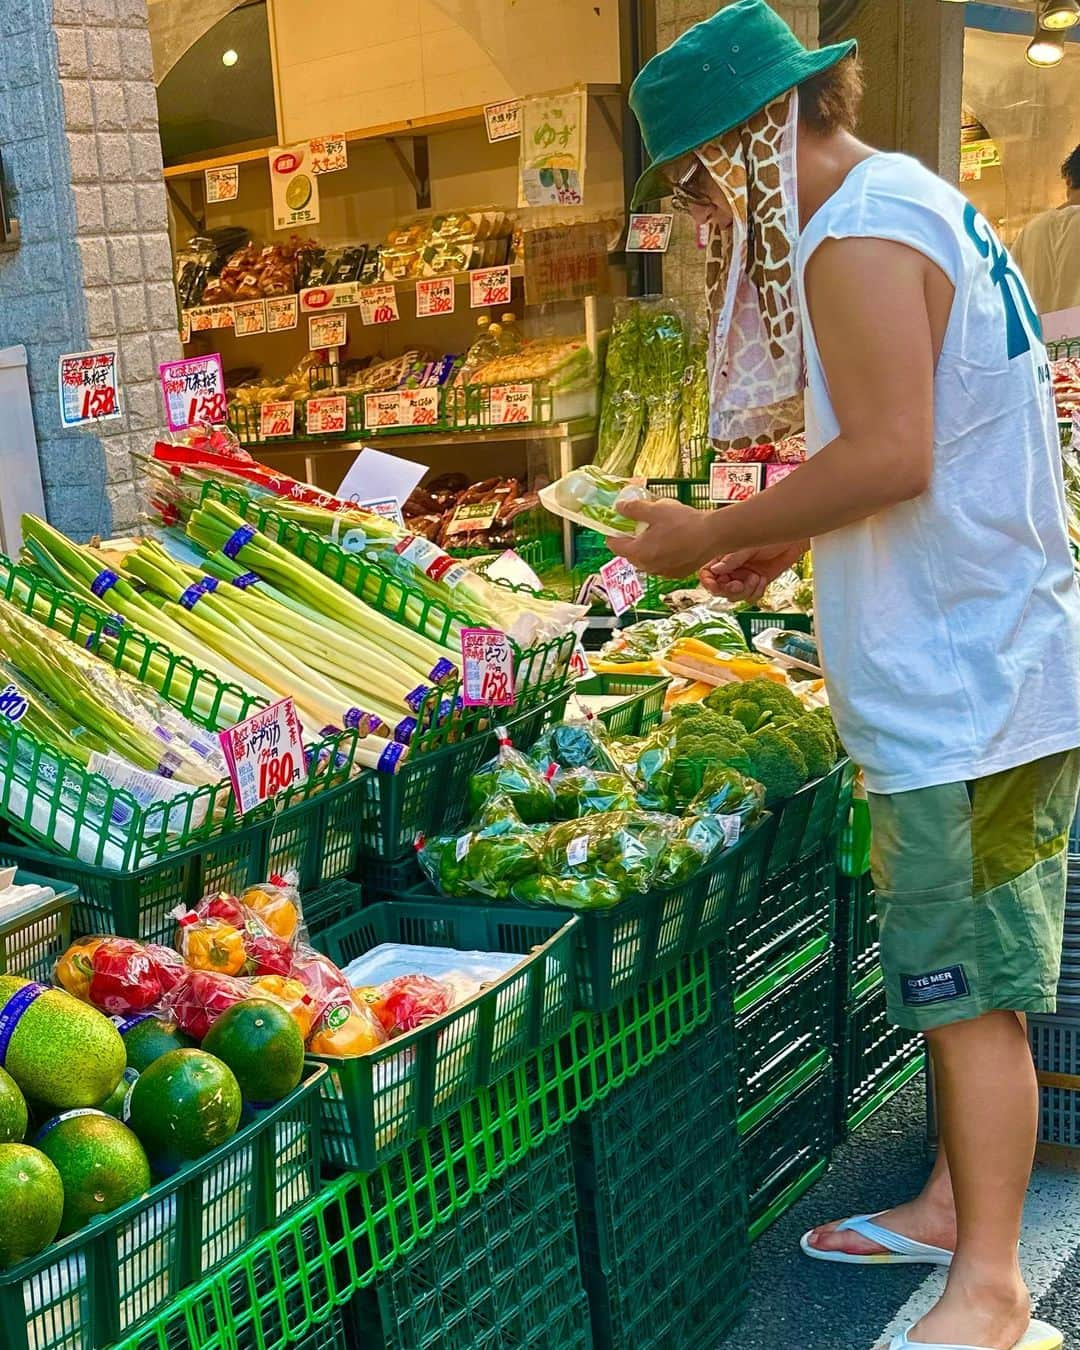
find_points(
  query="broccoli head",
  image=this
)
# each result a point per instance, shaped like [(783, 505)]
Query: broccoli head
[(748, 714), (767, 696), (776, 762), (816, 745), (824, 717), (684, 710)]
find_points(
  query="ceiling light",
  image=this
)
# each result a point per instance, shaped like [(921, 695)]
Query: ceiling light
[(1045, 49), (230, 57), (1059, 14)]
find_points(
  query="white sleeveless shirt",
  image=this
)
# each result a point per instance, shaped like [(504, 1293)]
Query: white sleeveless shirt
[(949, 626)]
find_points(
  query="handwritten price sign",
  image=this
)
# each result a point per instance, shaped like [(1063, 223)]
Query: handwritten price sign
[(378, 304), (622, 583), (329, 154), (419, 407), (326, 330), (503, 120), (249, 318), (281, 313), (194, 392), (489, 286), (89, 391), (487, 667), (223, 183), (276, 419), (265, 754), (648, 233), (326, 416), (510, 404), (434, 295), (382, 410)]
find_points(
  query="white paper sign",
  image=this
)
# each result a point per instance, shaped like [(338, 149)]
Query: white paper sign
[(326, 416), (378, 304), (89, 389), (387, 507), (489, 286), (648, 233), (622, 583), (265, 754), (510, 404), (503, 120), (281, 313), (276, 419), (327, 330), (487, 668), (434, 296), (249, 318), (294, 187), (194, 391), (420, 407), (222, 183), (329, 154), (375, 475), (511, 567)]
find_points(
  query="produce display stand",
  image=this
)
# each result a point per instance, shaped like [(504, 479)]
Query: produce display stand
[(33, 935)]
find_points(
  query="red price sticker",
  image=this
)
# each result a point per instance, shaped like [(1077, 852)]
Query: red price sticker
[(511, 403), (378, 304), (648, 233), (326, 416), (89, 391), (622, 583), (265, 754), (434, 296), (487, 668), (489, 286), (276, 419), (194, 391)]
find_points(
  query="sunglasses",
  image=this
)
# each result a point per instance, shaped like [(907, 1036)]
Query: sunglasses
[(684, 195)]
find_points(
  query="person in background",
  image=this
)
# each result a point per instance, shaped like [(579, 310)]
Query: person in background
[(946, 609), (1047, 249)]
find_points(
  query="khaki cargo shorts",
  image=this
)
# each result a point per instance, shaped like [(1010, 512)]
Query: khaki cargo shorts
[(970, 881)]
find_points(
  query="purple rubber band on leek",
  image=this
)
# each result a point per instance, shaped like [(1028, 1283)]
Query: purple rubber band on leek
[(441, 670), (246, 580), (104, 581), (355, 718), (192, 596), (236, 541), (403, 732), (416, 698), (208, 585), (389, 757)]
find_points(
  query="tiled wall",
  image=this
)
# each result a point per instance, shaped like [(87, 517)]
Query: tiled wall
[(78, 128)]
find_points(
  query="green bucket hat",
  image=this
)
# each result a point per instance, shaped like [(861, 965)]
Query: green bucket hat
[(714, 77)]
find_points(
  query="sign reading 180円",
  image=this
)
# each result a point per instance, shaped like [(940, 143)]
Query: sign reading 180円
[(194, 392), (264, 754)]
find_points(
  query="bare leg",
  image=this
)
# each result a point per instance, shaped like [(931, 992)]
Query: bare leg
[(989, 1115)]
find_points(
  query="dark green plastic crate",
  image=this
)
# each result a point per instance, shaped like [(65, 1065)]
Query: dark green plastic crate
[(33, 937), (788, 1150), (642, 707), (857, 930), (374, 1104), (329, 905), (782, 1021), (662, 1204), (812, 818), (385, 880), (794, 907), (318, 839), (754, 621), (875, 1059), (87, 1290), (503, 1272), (1055, 1044)]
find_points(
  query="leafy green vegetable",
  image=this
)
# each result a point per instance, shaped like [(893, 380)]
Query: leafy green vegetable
[(663, 362), (569, 892), (511, 774), (622, 846), (622, 411), (766, 695), (573, 745)]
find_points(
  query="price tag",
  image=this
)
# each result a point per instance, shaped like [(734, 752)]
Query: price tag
[(378, 304), (276, 419), (648, 233), (205, 318), (472, 516), (315, 299), (489, 286), (388, 507), (329, 154), (734, 482), (326, 330), (249, 318), (622, 583), (382, 410), (326, 416), (434, 295), (89, 389), (281, 313), (223, 183), (185, 327), (420, 407), (265, 754), (775, 472), (487, 668), (503, 120), (194, 391), (294, 189), (510, 403)]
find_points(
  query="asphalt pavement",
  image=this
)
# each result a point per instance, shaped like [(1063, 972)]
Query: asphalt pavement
[(799, 1304)]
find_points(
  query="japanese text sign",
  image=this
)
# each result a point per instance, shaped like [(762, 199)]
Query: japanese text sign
[(489, 286), (648, 233), (328, 154), (387, 507), (293, 186), (89, 391), (487, 668), (509, 404), (378, 304), (402, 408), (276, 419), (265, 754), (734, 482), (327, 330), (551, 166), (222, 183), (327, 416), (281, 313), (472, 516), (622, 583), (194, 391), (434, 295), (249, 318), (503, 120), (566, 262)]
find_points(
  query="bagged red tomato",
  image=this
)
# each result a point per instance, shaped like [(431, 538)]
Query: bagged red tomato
[(411, 1000), (200, 998), (321, 978), (130, 977), (269, 955)]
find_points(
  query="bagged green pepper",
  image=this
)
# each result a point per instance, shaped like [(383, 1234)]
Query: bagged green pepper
[(510, 774), (697, 841), (584, 792), (621, 847), (486, 861), (573, 745), (568, 892)]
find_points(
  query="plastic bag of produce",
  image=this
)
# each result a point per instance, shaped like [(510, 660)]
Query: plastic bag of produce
[(584, 792), (277, 903), (622, 410), (621, 847), (118, 975), (488, 860), (649, 764), (407, 1002), (697, 840), (663, 365), (200, 997), (579, 743), (590, 498), (726, 792), (591, 892), (347, 1030), (511, 774)]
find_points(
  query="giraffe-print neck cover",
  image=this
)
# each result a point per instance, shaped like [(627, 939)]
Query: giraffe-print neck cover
[(756, 369)]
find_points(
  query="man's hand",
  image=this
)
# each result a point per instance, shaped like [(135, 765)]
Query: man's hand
[(744, 575), (677, 543)]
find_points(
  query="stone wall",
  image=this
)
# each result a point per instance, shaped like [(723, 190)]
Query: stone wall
[(82, 158)]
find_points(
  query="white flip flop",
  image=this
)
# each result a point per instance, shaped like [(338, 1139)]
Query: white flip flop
[(899, 1250), (1039, 1336)]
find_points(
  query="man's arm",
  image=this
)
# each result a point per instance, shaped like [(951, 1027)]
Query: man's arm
[(868, 304)]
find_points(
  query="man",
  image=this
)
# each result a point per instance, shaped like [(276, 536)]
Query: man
[(946, 608), (1048, 247)]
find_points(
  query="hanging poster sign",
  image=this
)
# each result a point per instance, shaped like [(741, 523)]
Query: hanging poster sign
[(551, 164), (89, 389), (503, 120), (566, 262), (222, 184), (194, 391), (293, 187)]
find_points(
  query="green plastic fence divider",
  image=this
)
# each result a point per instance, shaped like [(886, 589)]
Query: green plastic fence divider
[(783, 1091), (783, 1203), (781, 974)]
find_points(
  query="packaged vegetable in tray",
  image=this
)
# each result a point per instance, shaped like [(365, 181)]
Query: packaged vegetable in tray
[(585, 792), (573, 744), (591, 498), (488, 860), (620, 847), (511, 774)]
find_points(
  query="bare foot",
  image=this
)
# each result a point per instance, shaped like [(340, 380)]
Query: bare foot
[(992, 1315), (922, 1219)]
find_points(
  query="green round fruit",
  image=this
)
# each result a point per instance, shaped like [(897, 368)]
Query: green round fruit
[(31, 1203), (101, 1164), (261, 1043), (62, 1052), (114, 1103), (13, 1116), (148, 1038), (185, 1104)]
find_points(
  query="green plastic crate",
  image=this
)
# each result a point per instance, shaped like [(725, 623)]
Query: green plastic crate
[(316, 839), (642, 707), (857, 933), (328, 905), (812, 818), (374, 1103), (33, 937), (793, 907), (789, 1149), (875, 1059), (504, 1271), (88, 1290), (662, 1201), (781, 1021), (853, 845), (754, 621)]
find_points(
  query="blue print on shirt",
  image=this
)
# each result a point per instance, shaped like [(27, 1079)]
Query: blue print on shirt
[(1009, 282)]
